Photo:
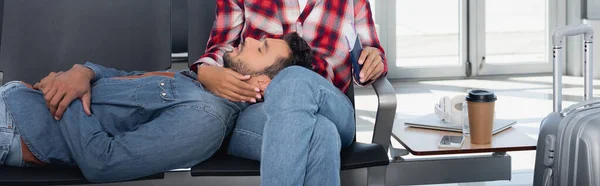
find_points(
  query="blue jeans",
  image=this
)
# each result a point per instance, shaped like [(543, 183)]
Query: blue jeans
[(10, 139), (138, 127), (298, 132)]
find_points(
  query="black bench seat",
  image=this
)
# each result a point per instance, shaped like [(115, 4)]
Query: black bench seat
[(48, 176), (357, 155)]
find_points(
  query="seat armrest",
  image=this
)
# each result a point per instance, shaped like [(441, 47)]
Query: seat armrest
[(386, 112)]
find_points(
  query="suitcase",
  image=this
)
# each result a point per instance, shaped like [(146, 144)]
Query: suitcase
[(568, 148)]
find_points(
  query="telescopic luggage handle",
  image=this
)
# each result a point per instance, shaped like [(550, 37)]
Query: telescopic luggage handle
[(557, 41)]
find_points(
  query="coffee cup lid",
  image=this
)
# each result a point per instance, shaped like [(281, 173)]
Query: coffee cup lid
[(481, 96)]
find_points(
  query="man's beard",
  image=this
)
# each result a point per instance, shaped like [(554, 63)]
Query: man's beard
[(236, 65)]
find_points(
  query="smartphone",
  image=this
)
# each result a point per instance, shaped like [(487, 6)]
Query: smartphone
[(451, 142)]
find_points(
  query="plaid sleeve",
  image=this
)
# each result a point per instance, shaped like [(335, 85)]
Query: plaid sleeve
[(365, 28), (225, 32)]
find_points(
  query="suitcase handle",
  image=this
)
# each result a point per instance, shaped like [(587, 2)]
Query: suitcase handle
[(572, 30), (579, 105), (557, 38)]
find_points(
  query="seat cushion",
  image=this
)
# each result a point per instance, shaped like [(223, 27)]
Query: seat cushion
[(361, 155), (47, 176), (357, 155)]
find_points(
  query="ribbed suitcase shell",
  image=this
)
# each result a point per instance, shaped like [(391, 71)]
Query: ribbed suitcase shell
[(576, 156)]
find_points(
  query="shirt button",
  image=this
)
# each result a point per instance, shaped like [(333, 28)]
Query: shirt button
[(163, 94), (162, 84)]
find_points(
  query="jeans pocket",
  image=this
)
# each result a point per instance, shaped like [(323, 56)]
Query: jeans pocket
[(155, 92)]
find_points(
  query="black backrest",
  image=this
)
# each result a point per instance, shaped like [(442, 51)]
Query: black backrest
[(40, 36), (179, 22), (1, 14), (350, 93), (201, 16)]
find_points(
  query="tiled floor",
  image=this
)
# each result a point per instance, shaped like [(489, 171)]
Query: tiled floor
[(525, 99)]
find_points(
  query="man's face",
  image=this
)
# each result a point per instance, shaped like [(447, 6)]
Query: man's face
[(253, 56)]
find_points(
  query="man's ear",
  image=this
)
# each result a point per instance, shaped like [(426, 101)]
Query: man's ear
[(262, 84), (261, 81)]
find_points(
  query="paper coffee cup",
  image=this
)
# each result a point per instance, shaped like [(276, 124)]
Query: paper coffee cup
[(481, 104)]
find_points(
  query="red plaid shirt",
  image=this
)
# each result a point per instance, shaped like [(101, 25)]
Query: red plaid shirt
[(319, 24)]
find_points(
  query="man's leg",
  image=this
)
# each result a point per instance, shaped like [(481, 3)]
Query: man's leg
[(11, 153), (323, 166), (246, 138), (296, 101), (181, 136), (246, 141)]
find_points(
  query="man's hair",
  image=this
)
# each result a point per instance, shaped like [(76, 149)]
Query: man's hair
[(301, 55)]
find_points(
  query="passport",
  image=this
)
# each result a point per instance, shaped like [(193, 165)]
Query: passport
[(356, 50)]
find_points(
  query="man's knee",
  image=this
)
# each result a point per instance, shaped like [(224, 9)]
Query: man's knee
[(14, 84), (27, 85), (299, 79), (296, 71), (298, 74), (325, 137)]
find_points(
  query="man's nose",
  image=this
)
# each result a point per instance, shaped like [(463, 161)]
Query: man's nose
[(251, 41)]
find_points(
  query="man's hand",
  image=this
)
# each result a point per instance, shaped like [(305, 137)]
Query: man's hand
[(228, 84), (372, 64), (60, 89)]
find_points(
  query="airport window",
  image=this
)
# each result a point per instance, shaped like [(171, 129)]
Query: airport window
[(458, 38)]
